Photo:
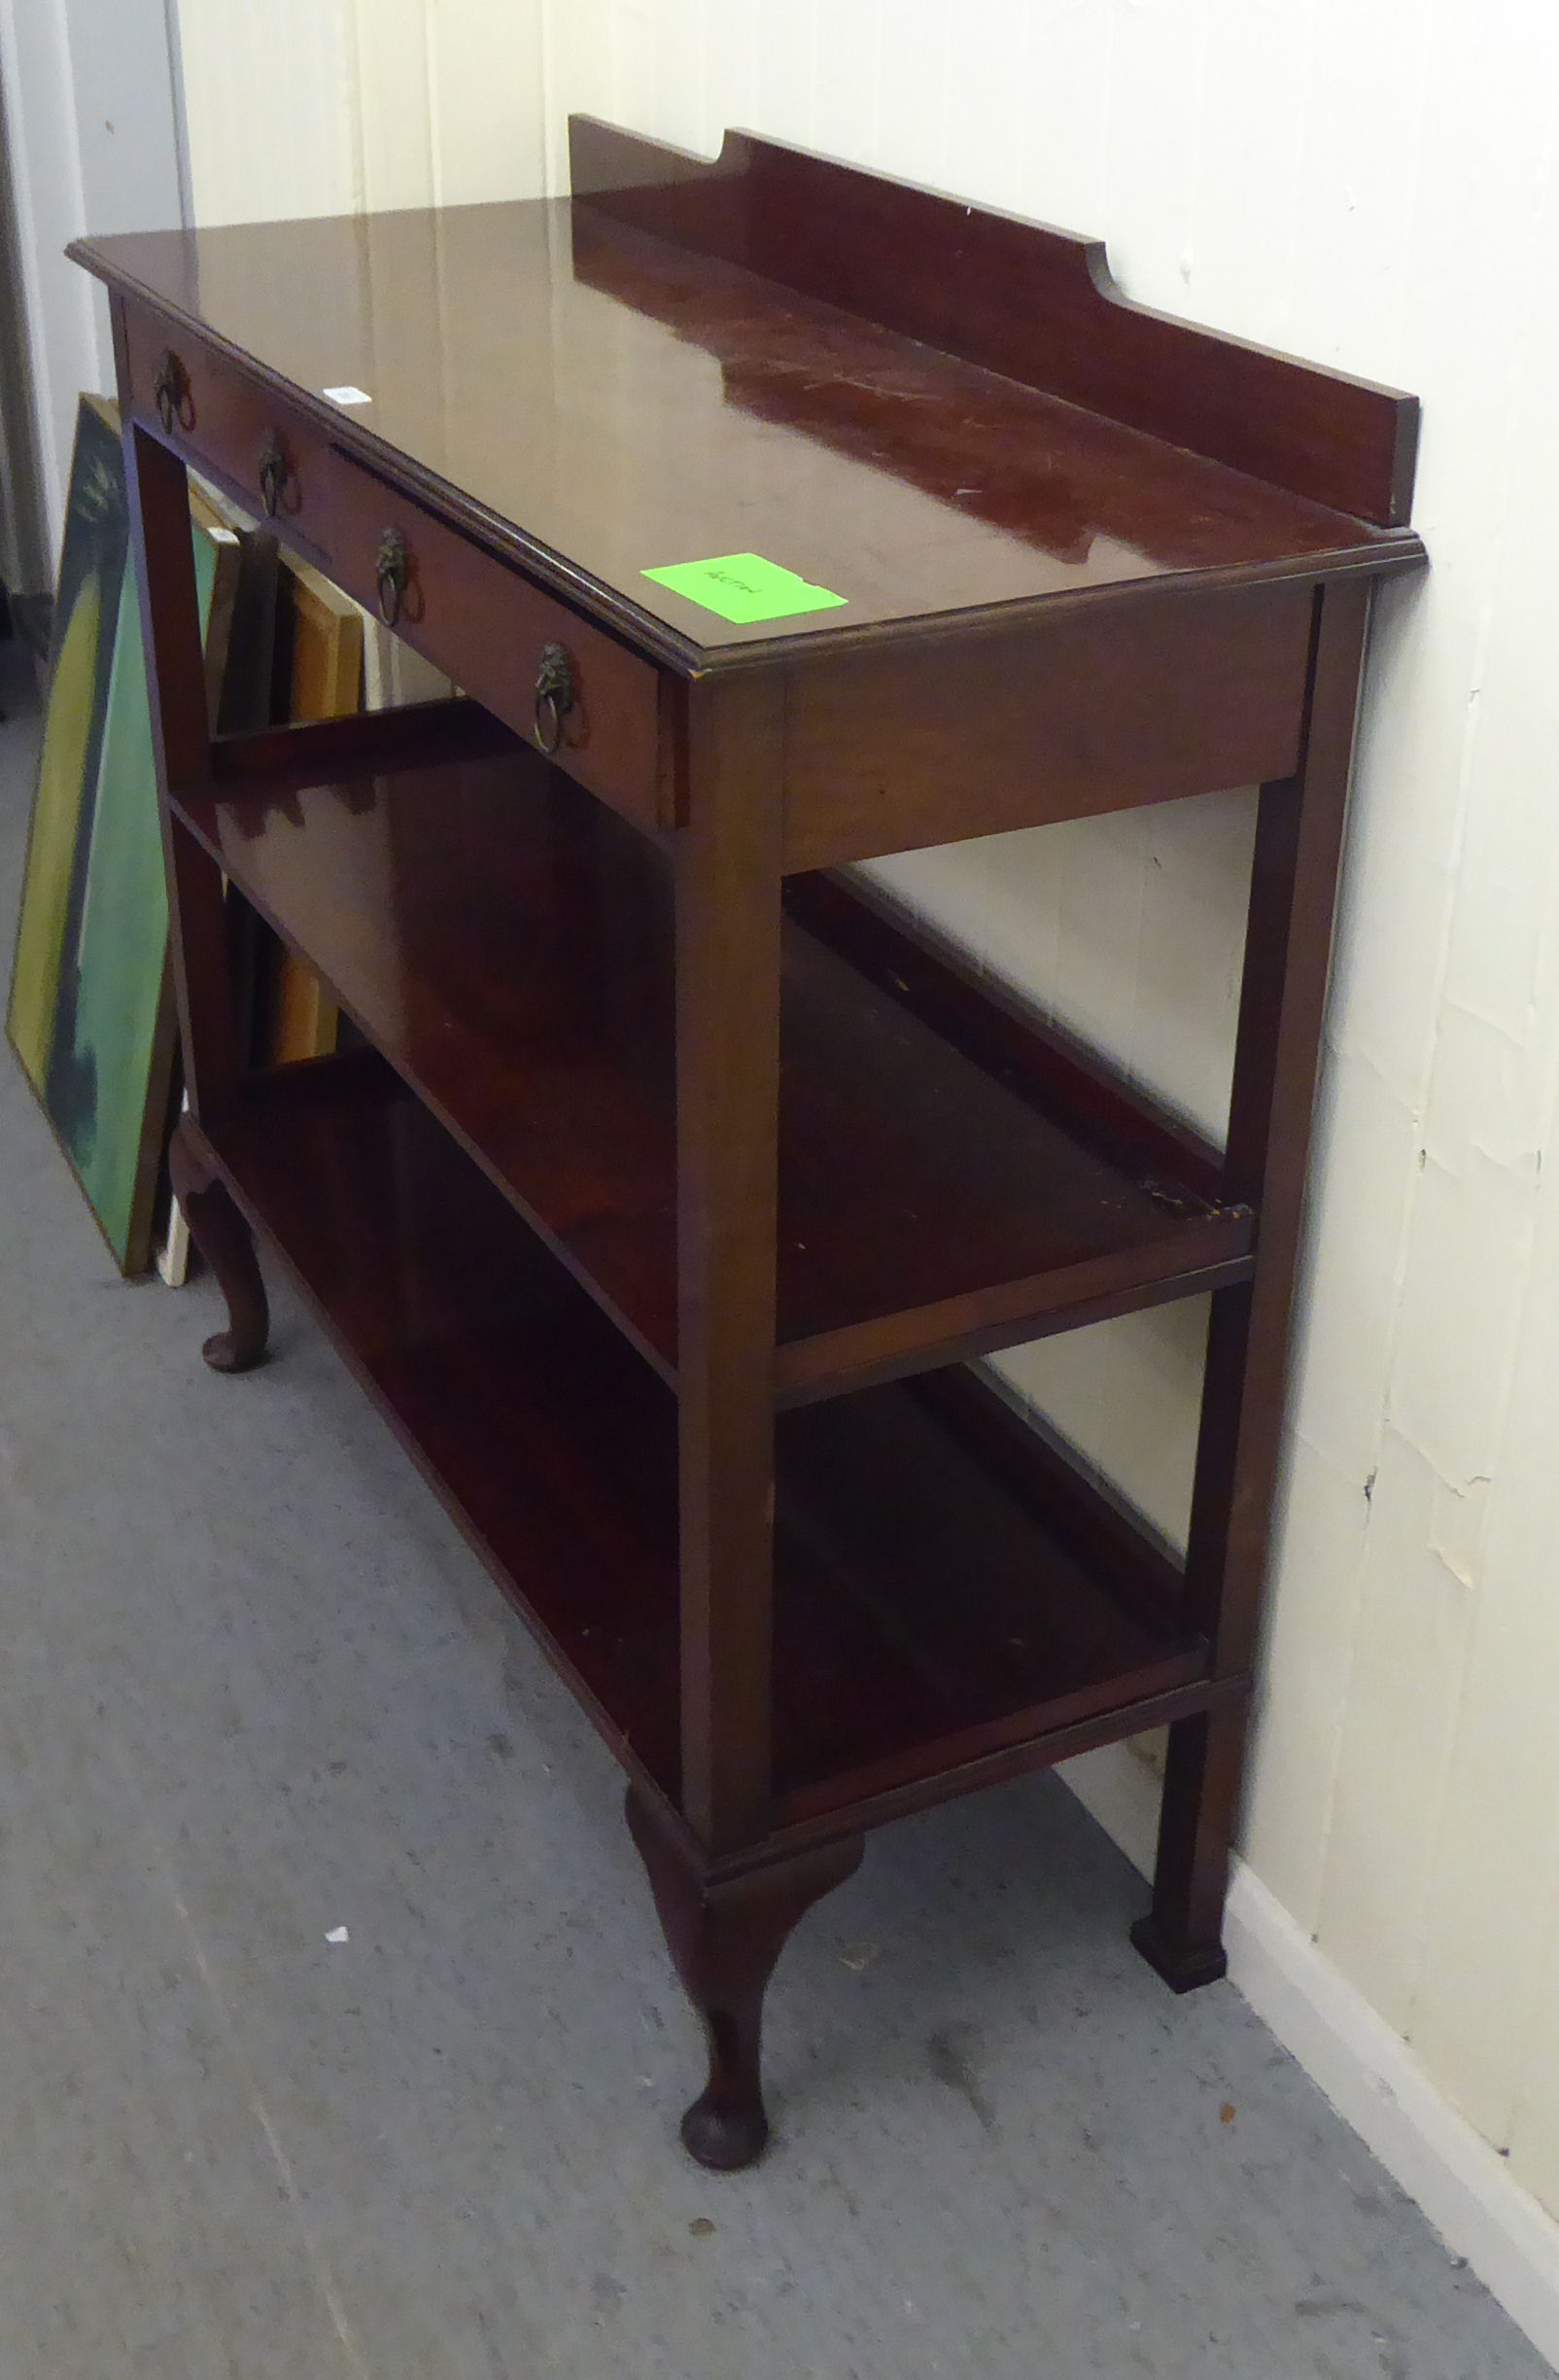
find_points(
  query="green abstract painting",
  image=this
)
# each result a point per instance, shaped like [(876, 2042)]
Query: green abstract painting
[(89, 1015)]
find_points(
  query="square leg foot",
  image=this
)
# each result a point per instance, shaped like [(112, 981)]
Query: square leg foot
[(1184, 1967)]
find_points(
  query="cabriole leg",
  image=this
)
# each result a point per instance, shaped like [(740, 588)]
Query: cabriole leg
[(724, 1941), (1182, 1938), (226, 1242)]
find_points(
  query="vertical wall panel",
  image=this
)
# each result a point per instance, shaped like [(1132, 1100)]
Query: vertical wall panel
[(1534, 2133), (127, 131), (988, 129), (1496, 1888), (729, 93), (1118, 1392), (1409, 1640), (92, 146), (1152, 138), (791, 50), (579, 61), (1323, 1518), (914, 101), (305, 162), (846, 104), (1367, 1148), (1250, 167), (389, 103), (485, 90), (394, 104), (1347, 273), (1066, 103), (1129, 930)]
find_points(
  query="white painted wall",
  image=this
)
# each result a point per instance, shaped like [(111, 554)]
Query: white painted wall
[(390, 103), (91, 115), (45, 175), (1371, 184)]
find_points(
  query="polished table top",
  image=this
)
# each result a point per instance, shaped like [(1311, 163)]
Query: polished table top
[(602, 403)]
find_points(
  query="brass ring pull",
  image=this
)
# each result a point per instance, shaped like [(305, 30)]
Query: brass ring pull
[(273, 477), (557, 691), (170, 390), (394, 571)]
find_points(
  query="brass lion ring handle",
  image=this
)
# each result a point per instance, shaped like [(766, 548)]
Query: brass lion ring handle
[(171, 391), (557, 691), (273, 477), (394, 569)]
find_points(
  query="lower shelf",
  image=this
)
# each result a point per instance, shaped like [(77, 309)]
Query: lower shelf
[(928, 1608)]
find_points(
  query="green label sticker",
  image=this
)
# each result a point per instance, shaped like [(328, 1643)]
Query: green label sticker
[(744, 587)]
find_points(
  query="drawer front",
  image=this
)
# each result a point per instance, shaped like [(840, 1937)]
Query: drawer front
[(272, 461), (478, 620), (489, 629)]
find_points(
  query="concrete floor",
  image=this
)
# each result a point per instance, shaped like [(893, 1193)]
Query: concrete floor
[(255, 1688)]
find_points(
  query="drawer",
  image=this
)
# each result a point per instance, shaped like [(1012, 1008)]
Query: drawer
[(488, 628), (481, 623), (230, 429)]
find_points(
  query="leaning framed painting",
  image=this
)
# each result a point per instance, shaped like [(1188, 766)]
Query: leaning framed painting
[(91, 1011)]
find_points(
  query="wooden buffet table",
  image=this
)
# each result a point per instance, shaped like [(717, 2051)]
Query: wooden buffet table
[(677, 1176)]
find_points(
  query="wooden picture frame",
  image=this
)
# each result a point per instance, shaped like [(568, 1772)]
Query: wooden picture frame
[(321, 666)]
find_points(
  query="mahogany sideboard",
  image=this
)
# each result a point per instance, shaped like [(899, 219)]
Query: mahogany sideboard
[(673, 1179)]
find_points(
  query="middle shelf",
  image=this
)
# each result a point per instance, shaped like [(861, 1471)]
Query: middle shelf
[(947, 1589), (508, 945)]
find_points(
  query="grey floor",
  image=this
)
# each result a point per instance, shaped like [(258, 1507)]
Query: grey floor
[(255, 1688)]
